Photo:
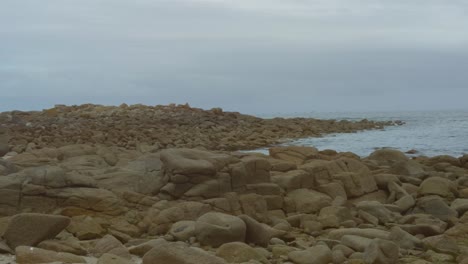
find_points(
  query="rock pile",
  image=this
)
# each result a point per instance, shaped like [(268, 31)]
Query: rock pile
[(152, 128), (101, 204)]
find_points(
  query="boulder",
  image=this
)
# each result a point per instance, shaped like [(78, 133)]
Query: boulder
[(333, 216), (85, 227), (407, 168), (404, 239), (435, 206), (442, 244), (113, 259), (460, 205), (363, 232), (143, 248), (381, 251), (176, 253), (438, 186), (295, 154), (387, 157), (215, 229), (111, 245), (443, 159), (31, 255), (309, 201), (318, 255), (238, 252), (96, 200), (23, 230), (357, 243), (183, 230), (193, 161), (378, 210), (70, 245), (259, 233)]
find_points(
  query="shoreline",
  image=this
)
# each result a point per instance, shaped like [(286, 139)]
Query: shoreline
[(130, 204)]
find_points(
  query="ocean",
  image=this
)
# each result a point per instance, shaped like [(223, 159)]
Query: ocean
[(429, 133)]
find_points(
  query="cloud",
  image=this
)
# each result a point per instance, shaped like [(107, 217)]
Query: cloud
[(252, 55)]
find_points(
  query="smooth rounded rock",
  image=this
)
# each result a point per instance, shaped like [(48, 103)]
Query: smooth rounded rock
[(215, 229), (29, 229)]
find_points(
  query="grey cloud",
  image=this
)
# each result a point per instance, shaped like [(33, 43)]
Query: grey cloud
[(252, 56)]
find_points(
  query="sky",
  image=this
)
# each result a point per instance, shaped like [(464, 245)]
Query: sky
[(251, 56)]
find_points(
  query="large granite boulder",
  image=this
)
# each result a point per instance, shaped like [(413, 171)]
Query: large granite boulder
[(309, 201), (215, 229), (29, 229), (387, 156), (295, 154)]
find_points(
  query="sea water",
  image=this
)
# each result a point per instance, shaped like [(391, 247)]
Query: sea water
[(429, 133)]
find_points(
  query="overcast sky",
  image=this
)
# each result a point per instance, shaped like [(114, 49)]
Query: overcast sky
[(252, 56)]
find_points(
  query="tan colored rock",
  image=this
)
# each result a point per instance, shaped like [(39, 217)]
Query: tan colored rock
[(31, 255), (176, 253), (143, 248), (435, 206), (255, 206), (378, 210), (183, 230), (259, 233), (333, 216), (4, 139), (363, 232), (404, 239), (215, 229), (257, 169), (309, 201), (69, 246), (85, 227), (442, 244), (387, 156), (295, 154), (294, 179), (438, 186), (318, 255), (23, 228), (109, 244), (113, 259), (357, 243), (443, 159), (381, 251), (238, 252)]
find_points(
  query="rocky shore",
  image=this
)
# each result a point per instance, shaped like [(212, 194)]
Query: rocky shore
[(146, 127), (127, 201)]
